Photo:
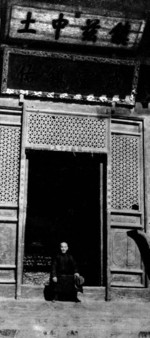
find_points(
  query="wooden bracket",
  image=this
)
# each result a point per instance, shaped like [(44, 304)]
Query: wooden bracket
[(21, 99)]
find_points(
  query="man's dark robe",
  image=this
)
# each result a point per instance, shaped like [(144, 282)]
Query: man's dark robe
[(64, 267)]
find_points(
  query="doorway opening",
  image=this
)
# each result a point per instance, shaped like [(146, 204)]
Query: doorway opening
[(65, 202)]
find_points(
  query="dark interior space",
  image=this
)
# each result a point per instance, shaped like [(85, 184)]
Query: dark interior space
[(63, 204)]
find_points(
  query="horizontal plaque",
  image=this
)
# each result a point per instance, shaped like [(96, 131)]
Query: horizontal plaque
[(63, 76), (74, 27)]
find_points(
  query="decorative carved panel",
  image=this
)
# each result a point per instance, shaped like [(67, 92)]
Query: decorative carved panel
[(125, 253), (7, 243), (9, 163), (62, 132), (125, 172)]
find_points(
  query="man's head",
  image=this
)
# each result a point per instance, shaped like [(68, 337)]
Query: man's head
[(63, 247)]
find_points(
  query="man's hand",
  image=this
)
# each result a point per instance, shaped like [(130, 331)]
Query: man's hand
[(76, 274), (54, 279)]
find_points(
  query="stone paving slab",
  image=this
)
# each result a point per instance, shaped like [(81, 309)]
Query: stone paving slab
[(88, 319)]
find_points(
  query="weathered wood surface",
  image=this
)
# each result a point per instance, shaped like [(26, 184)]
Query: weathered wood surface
[(68, 77), (10, 125), (143, 243), (7, 243), (32, 23), (127, 206)]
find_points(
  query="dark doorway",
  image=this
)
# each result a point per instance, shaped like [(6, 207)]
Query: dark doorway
[(63, 204)]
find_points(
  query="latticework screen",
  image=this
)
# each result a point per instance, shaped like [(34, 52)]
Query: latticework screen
[(65, 132), (9, 164), (125, 172)]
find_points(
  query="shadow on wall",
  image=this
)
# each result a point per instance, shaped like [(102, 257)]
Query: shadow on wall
[(143, 243)]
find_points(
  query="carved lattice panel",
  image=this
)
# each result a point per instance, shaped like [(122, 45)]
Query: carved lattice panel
[(62, 132), (125, 172), (9, 164)]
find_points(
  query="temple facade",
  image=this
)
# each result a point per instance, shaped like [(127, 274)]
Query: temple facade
[(74, 144)]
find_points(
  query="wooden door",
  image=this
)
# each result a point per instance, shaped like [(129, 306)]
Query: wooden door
[(10, 139), (65, 201), (127, 202), (72, 130)]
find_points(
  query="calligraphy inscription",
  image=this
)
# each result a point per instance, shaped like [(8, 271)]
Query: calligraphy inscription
[(70, 27), (27, 23)]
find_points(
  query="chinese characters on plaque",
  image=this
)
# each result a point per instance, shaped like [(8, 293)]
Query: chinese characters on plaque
[(74, 27)]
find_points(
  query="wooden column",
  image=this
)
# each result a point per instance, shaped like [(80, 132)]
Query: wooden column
[(22, 206), (108, 210)]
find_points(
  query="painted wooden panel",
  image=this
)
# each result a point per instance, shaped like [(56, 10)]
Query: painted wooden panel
[(74, 27)]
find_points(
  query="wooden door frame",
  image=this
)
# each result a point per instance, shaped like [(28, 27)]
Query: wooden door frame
[(23, 203), (121, 127)]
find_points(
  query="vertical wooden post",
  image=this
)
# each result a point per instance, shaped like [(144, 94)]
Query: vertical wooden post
[(101, 223), (108, 208), (22, 206), (145, 189)]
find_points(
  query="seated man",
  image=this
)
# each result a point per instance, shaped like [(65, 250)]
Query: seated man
[(64, 272)]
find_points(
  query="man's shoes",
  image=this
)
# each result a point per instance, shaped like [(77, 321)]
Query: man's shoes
[(55, 298), (77, 300)]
